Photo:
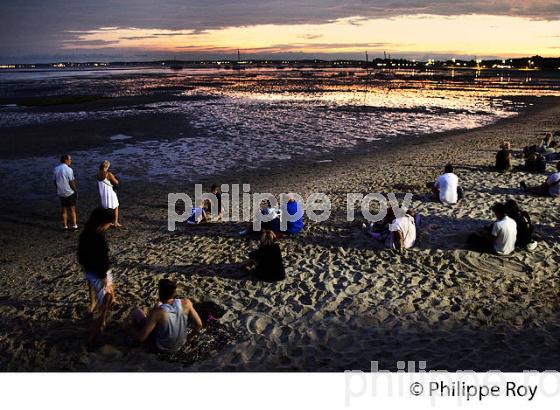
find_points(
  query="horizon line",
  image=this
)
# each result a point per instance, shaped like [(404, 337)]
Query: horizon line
[(274, 60)]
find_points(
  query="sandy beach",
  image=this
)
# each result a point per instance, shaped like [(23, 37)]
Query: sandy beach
[(346, 301)]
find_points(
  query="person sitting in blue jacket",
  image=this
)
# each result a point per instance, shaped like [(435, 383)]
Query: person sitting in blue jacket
[(293, 207)]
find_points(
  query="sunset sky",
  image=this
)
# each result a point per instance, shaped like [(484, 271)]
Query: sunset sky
[(48, 30)]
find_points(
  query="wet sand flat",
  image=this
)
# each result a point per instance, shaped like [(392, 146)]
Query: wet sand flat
[(346, 301)]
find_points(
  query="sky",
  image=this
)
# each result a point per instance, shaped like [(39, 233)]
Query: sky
[(136, 30)]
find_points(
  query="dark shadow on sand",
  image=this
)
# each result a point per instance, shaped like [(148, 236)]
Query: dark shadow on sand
[(232, 271), (460, 347)]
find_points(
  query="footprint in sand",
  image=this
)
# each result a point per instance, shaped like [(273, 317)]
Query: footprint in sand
[(492, 264), (258, 324)]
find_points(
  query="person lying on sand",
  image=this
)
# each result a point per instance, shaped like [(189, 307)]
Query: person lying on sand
[(497, 238), (524, 225), (265, 262), (167, 325), (446, 188), (198, 215), (549, 148), (396, 232), (551, 187), (93, 255), (503, 158), (552, 152)]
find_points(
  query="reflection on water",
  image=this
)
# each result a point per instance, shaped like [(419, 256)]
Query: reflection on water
[(252, 118)]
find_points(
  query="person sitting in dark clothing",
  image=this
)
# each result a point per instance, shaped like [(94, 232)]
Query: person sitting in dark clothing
[(524, 226), (535, 162), (214, 190), (503, 158), (266, 260)]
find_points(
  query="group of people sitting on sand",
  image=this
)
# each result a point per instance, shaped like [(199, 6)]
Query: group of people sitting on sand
[(399, 232), (512, 228), (536, 159), (166, 326), (535, 156), (202, 213), (264, 263)]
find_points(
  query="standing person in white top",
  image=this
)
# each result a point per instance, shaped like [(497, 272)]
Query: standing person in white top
[(446, 188), (498, 238), (106, 182), (66, 189), (551, 187)]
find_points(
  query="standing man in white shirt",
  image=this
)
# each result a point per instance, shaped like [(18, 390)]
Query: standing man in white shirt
[(446, 188), (500, 237), (66, 189)]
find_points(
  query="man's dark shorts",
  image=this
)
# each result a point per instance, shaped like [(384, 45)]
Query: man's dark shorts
[(69, 201)]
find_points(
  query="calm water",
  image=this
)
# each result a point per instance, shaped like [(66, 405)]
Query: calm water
[(242, 120)]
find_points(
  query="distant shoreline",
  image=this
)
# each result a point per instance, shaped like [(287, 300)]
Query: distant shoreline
[(528, 63)]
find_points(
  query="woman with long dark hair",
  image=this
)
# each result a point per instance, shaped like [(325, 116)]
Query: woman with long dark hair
[(266, 261), (524, 225)]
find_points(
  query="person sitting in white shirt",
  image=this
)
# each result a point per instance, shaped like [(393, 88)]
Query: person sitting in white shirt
[(499, 237), (403, 233), (551, 187), (446, 188), (397, 233)]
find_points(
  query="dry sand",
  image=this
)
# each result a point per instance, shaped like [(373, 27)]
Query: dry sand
[(346, 301)]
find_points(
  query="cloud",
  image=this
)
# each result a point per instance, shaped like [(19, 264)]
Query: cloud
[(134, 37), (327, 46), (311, 36), (306, 48), (83, 43), (32, 26), (177, 33), (155, 35)]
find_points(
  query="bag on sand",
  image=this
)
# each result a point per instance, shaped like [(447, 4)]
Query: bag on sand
[(209, 311)]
